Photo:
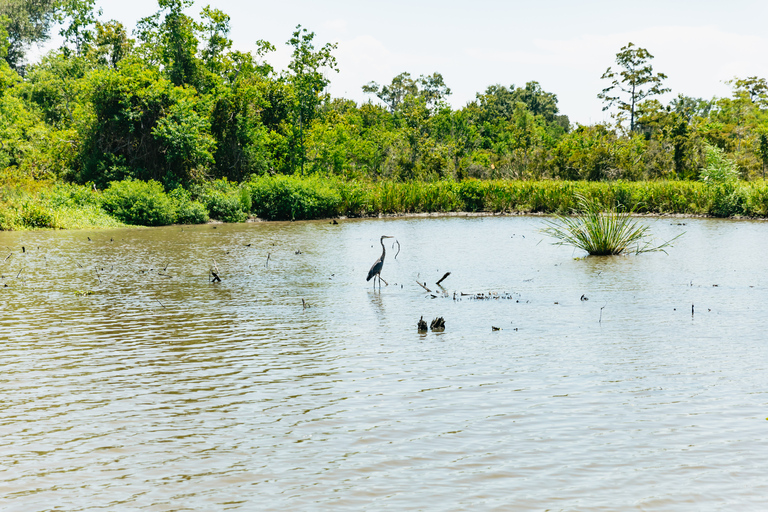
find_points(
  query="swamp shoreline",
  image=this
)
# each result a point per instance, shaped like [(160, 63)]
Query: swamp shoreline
[(34, 204)]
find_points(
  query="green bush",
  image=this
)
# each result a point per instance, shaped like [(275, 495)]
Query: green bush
[(187, 210), (225, 201), (472, 194), (142, 203), (727, 200), (294, 198), (35, 215)]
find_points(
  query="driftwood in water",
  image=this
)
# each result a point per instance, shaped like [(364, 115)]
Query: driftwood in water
[(437, 325), (423, 286), (443, 278), (215, 273)]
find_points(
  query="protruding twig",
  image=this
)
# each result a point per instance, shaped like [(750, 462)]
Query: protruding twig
[(215, 272), (443, 278), (266, 265), (601, 314), (423, 286), (398, 247)]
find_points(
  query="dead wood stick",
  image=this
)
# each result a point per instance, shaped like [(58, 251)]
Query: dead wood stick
[(430, 291), (443, 278)]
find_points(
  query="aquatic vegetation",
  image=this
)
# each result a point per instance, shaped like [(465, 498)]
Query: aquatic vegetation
[(602, 232)]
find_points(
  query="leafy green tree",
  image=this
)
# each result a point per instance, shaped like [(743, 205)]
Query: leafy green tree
[(26, 22), (634, 83), (431, 87), (169, 39), (77, 19), (691, 108), (215, 31), (111, 44), (762, 148), (242, 140), (308, 82), (144, 127), (500, 102), (393, 94), (754, 88)]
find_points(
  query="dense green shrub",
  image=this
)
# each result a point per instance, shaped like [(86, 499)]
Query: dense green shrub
[(35, 215), (139, 202), (472, 195), (226, 201), (294, 198), (187, 210)]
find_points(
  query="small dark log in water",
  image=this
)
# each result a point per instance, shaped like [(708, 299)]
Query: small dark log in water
[(494, 328), (443, 278), (438, 324), (422, 325)]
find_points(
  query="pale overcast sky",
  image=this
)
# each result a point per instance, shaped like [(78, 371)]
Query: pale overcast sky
[(564, 45)]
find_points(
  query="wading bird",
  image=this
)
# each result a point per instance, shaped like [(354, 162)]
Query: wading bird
[(376, 268)]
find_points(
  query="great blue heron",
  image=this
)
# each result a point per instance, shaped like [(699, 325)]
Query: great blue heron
[(376, 268)]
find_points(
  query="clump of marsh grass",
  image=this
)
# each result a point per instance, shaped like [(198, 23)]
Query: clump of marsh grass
[(601, 232)]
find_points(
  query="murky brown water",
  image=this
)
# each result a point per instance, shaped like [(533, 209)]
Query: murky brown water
[(162, 391)]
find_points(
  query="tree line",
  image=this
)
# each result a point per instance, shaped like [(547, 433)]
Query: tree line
[(173, 102)]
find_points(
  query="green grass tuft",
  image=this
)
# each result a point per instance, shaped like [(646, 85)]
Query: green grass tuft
[(602, 233)]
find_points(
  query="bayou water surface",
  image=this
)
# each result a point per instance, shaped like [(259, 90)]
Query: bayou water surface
[(129, 381)]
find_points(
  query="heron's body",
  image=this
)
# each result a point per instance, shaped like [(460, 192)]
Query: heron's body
[(378, 265)]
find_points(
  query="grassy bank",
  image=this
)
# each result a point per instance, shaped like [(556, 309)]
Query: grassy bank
[(40, 205)]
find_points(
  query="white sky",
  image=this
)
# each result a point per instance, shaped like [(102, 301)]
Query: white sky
[(564, 45)]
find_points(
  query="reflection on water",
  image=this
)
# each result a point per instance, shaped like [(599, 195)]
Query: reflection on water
[(130, 381)]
